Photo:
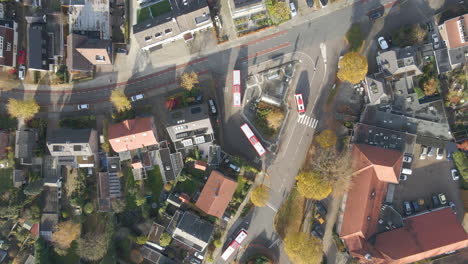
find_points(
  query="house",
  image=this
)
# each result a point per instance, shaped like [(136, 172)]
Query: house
[(52, 172), (84, 53), (193, 231), (74, 147), (177, 199), (155, 235), (170, 164), (154, 256), (185, 18), (398, 63), (408, 240), (375, 89), (9, 41), (89, 17), (24, 146), (454, 32), (4, 144), (189, 127), (133, 134), (216, 194), (18, 178), (47, 226), (109, 187), (38, 47), (240, 8)]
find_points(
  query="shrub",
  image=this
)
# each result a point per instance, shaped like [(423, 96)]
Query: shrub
[(88, 208)]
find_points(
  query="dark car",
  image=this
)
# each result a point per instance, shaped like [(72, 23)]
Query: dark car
[(375, 15), (310, 3), (318, 229), (321, 209), (449, 155), (415, 206), (122, 50), (407, 208), (435, 201)]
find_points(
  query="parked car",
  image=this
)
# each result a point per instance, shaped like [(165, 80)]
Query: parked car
[(423, 152), (442, 199), (122, 50), (137, 97), (234, 167), (194, 260), (212, 106), (449, 155), (321, 209), (82, 106), (406, 171), (455, 174), (59, 193), (319, 230), (452, 205), (382, 43), (435, 201), (375, 15), (440, 153), (324, 3), (403, 177), (310, 3), (319, 219), (415, 206), (407, 159), (407, 208), (435, 40), (430, 151), (293, 9), (199, 255), (22, 72), (429, 26)]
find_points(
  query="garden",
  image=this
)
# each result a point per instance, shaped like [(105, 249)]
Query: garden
[(153, 10), (268, 119), (252, 23), (427, 85)]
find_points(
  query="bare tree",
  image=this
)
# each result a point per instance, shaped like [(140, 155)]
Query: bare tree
[(335, 167)]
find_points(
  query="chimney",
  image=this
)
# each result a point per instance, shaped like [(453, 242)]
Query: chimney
[(128, 124)]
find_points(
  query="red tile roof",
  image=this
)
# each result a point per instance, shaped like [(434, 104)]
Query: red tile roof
[(386, 162), (200, 165), (216, 194), (132, 134), (453, 32), (423, 236)]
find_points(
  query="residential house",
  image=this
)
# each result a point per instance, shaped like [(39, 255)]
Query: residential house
[(4, 144), (74, 147), (47, 226), (194, 232), (362, 225), (170, 164), (8, 42), (216, 194), (84, 53), (24, 146), (153, 256), (133, 134), (185, 19), (376, 90), (109, 187), (177, 199), (89, 17), (18, 178), (398, 63), (189, 127), (38, 47), (155, 235), (454, 32), (241, 8)]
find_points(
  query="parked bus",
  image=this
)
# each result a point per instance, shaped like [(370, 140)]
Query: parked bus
[(234, 245), (236, 88), (253, 139), (300, 104)]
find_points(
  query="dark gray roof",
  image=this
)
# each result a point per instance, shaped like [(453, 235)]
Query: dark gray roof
[(38, 42), (48, 222), (113, 164), (442, 60), (195, 226), (167, 170), (67, 135), (457, 55), (75, 61), (154, 256), (25, 141)]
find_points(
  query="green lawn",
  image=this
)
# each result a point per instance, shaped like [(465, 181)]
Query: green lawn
[(155, 183), (354, 37), (70, 257), (6, 180), (188, 186), (143, 14), (160, 8)]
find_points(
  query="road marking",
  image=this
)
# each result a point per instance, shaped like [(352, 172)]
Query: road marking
[(253, 42), (272, 208), (266, 51), (307, 121), (274, 242)]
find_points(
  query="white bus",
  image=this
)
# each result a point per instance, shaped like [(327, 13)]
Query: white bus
[(241, 236), (253, 140), (236, 88)]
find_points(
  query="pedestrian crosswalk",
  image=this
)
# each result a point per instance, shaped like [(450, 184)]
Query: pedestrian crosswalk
[(307, 121)]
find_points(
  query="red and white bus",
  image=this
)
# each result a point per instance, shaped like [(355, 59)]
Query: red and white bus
[(253, 139), (300, 104), (236, 87), (234, 245)]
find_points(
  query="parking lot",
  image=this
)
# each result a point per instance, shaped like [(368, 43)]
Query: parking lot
[(429, 176)]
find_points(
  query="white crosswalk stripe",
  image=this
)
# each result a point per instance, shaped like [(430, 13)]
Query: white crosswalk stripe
[(308, 121)]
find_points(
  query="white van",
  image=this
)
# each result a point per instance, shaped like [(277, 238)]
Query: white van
[(293, 9), (406, 171)]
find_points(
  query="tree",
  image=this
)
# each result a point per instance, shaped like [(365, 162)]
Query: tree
[(326, 138), (66, 232), (141, 240), (463, 145), (312, 185), (140, 199), (410, 35), (259, 259), (279, 10), (430, 86), (118, 205), (217, 243), (22, 109), (120, 101), (34, 188), (260, 195), (461, 161), (334, 167), (188, 80), (165, 239), (303, 248), (92, 247), (41, 252), (168, 186), (88, 208), (135, 256), (352, 68)]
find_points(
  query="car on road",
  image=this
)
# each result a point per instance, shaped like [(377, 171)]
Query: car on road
[(455, 174), (439, 153), (430, 151), (382, 43), (293, 9), (423, 152), (82, 106), (435, 201), (300, 104), (22, 72), (435, 40), (403, 177), (407, 159), (136, 97), (442, 199), (407, 208), (375, 15), (212, 105), (310, 3)]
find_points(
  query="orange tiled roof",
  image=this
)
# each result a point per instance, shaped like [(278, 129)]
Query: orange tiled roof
[(453, 32), (216, 194), (132, 134)]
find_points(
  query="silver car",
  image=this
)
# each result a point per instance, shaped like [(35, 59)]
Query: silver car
[(137, 97)]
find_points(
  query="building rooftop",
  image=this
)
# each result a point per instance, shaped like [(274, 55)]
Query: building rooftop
[(239, 4), (442, 60), (24, 145), (7, 53), (90, 16), (193, 231), (399, 61), (68, 135), (132, 134), (154, 256), (375, 89), (48, 222), (455, 32), (84, 52), (38, 45)]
